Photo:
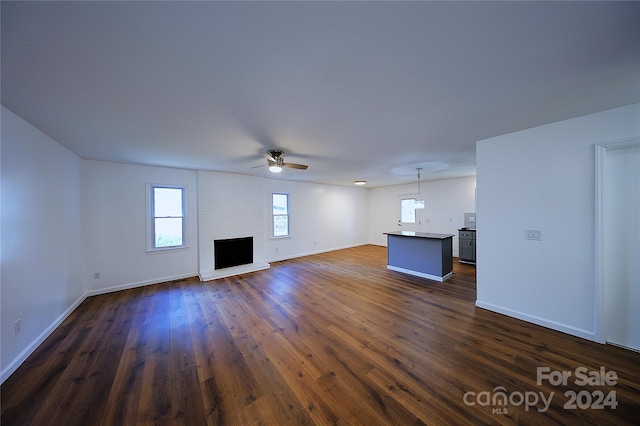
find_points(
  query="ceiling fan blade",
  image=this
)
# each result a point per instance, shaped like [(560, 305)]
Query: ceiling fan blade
[(295, 166)]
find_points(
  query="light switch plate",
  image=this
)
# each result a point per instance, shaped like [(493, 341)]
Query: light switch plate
[(534, 234)]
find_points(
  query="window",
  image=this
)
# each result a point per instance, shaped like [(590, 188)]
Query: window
[(408, 210), (280, 211), (167, 224)]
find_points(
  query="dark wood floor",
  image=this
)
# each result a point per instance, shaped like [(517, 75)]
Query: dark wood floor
[(333, 338)]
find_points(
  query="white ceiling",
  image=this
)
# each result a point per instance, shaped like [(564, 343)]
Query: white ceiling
[(356, 90)]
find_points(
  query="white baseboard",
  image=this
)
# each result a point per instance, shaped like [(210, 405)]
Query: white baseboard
[(574, 331), (138, 284), (420, 274), (22, 356), (378, 244), (310, 253)]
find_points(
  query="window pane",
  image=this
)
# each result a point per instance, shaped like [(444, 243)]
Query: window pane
[(408, 210), (167, 202), (168, 232), (280, 204), (280, 226)]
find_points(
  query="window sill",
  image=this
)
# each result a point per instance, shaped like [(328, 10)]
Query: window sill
[(166, 249)]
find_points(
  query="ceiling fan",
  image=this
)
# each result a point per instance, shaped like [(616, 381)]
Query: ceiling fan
[(276, 162)]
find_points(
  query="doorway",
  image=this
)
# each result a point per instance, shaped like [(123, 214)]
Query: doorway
[(618, 244), (409, 218)]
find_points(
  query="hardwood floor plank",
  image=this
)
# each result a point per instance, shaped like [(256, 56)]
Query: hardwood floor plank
[(186, 404), (228, 371), (122, 403), (155, 404), (333, 338), (124, 399), (29, 391), (275, 392)]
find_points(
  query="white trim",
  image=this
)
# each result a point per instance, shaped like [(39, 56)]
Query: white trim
[(601, 245), (578, 332), (417, 223), (139, 284), (378, 244), (311, 253), (26, 352), (600, 231), (151, 249), (288, 215), (421, 274)]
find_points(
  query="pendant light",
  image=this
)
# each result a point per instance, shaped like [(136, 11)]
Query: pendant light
[(419, 202)]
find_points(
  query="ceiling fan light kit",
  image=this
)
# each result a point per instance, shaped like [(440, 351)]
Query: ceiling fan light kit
[(276, 161), (274, 168)]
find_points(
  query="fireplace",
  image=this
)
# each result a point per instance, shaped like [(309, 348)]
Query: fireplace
[(232, 252)]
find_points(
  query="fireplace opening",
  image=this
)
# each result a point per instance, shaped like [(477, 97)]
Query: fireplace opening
[(232, 252)]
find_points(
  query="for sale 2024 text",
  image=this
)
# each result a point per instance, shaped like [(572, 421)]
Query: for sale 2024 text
[(582, 376)]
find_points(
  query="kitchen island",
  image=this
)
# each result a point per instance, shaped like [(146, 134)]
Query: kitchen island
[(422, 254)]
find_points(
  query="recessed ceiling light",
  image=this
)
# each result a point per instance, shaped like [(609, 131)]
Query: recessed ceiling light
[(360, 182)]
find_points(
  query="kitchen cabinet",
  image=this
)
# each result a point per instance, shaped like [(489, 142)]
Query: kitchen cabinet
[(467, 246)]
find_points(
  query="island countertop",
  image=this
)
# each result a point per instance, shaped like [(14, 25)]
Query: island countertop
[(414, 234)]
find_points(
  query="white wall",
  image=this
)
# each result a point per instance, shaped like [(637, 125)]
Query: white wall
[(114, 212), (65, 219), (322, 218), (444, 199), (544, 179), (42, 269)]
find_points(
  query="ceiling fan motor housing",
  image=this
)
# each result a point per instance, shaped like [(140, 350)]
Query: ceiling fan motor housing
[(275, 158), (275, 153)]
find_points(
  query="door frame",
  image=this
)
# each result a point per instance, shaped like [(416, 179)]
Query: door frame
[(399, 225), (601, 151)]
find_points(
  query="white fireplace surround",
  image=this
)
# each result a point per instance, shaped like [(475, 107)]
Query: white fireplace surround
[(222, 215)]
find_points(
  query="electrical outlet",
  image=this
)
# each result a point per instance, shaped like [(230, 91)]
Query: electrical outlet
[(96, 275), (17, 327), (276, 249)]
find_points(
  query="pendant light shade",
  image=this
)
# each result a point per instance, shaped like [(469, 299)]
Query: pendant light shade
[(419, 202)]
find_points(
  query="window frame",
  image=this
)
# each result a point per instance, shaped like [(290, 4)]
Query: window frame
[(415, 213), (151, 218), (287, 215)]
